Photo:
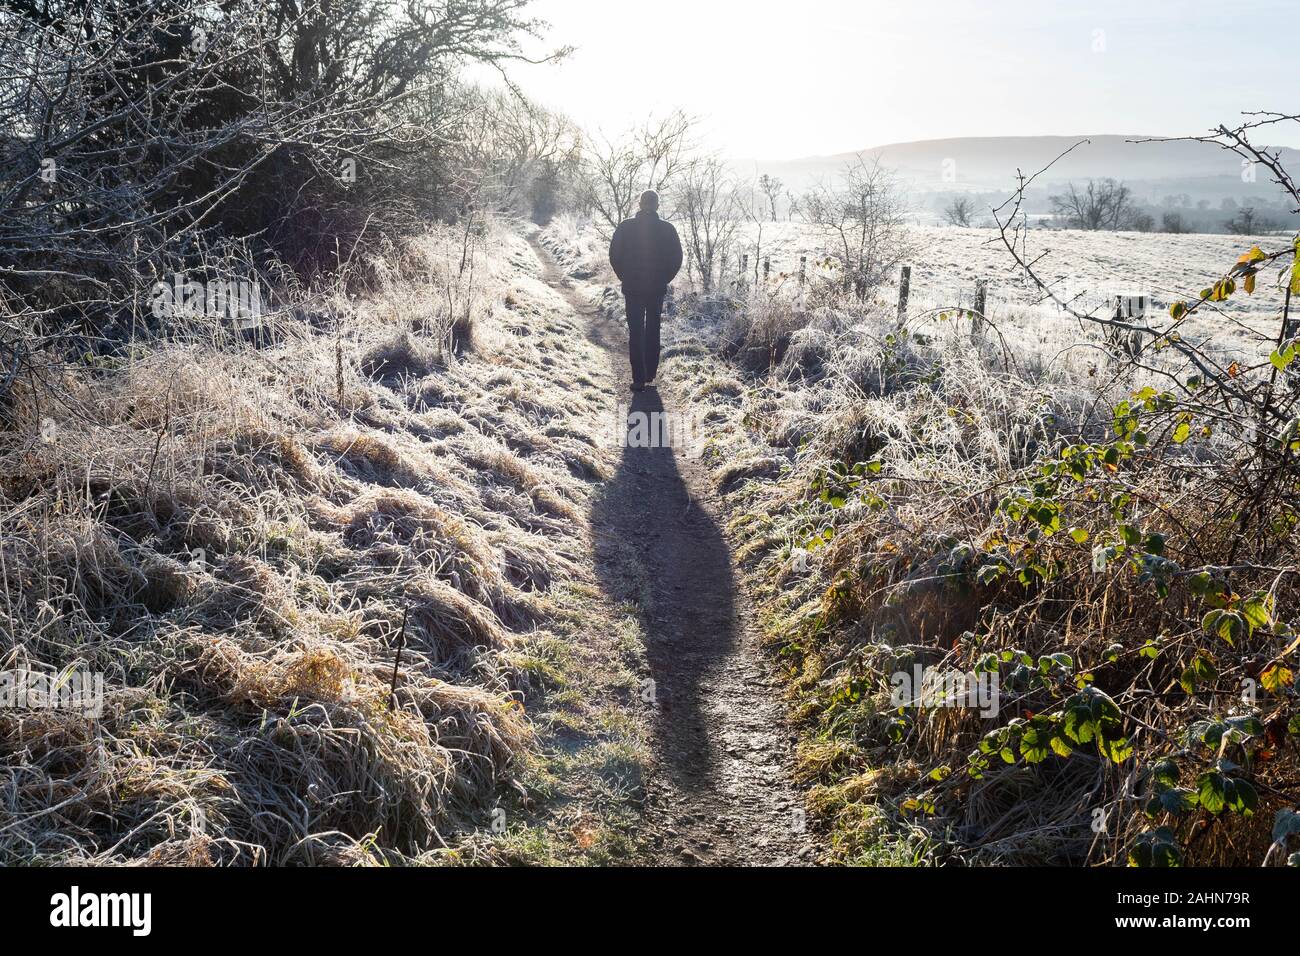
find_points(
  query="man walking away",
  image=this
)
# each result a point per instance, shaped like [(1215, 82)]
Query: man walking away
[(646, 254)]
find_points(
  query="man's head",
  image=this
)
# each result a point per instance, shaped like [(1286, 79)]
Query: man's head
[(649, 201)]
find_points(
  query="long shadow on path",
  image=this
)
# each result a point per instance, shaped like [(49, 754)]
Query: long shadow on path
[(723, 792), (657, 548)]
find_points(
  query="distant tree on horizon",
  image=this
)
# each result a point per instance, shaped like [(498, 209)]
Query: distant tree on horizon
[(1247, 222), (960, 211), (771, 188), (1103, 204)]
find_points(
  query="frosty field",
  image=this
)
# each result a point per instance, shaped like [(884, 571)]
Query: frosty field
[(1092, 266)]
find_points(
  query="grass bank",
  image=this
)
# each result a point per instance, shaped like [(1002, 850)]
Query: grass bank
[(1063, 527), (237, 533)]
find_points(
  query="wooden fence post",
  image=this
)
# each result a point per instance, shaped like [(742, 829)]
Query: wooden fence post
[(1133, 309), (977, 315), (767, 268), (803, 265), (904, 287)]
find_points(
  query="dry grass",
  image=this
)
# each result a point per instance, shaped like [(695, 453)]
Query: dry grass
[(953, 428), (860, 589), (233, 537)]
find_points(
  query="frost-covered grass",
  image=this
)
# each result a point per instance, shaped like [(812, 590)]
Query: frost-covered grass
[(897, 499), (1084, 267), (234, 537)]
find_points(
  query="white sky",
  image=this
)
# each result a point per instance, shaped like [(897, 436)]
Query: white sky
[(781, 80)]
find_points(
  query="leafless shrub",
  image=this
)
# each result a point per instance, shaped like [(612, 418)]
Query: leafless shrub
[(510, 154), (133, 145), (960, 211), (651, 156), (772, 188), (863, 219), (707, 207)]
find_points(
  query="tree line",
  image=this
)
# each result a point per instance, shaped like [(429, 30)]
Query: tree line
[(1110, 205)]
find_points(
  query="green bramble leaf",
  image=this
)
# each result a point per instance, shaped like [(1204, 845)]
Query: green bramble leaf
[(1225, 624), (1211, 791), (1240, 797), (1172, 800), (1257, 612), (1156, 848), (1276, 678), (1200, 671), (1165, 772), (1115, 749)]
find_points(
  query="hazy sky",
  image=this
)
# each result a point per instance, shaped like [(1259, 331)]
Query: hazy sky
[(779, 80)]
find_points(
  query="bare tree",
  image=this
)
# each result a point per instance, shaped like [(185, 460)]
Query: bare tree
[(772, 189), (707, 207), (959, 211), (792, 207), (648, 157), (136, 139), (513, 153), (1247, 222), (863, 215), (1103, 204), (1172, 222)]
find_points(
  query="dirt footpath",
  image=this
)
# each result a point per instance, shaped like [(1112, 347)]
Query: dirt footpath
[(721, 790)]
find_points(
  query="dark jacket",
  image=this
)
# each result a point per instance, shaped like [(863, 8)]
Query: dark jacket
[(646, 254)]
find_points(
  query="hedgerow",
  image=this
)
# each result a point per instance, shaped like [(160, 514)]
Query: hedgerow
[(1113, 539)]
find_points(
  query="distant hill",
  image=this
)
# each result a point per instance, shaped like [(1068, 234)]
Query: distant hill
[(981, 163)]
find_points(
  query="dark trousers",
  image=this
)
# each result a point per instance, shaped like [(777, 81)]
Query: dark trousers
[(643, 312)]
